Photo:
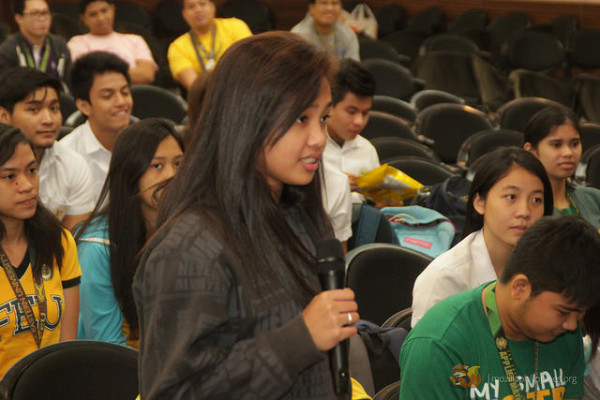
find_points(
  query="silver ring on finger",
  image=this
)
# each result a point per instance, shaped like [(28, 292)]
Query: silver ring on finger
[(349, 318)]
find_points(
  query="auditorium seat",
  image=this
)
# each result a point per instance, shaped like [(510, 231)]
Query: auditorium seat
[(424, 171), (448, 125), (425, 98), (75, 369), (475, 18), (383, 124), (390, 147), (390, 18), (257, 14), (394, 106), (382, 276), (483, 142), (392, 79), (427, 21), (516, 113)]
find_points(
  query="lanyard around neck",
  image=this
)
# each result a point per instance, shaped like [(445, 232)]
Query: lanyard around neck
[(571, 204), (45, 57), (37, 328), (506, 358), (210, 56)]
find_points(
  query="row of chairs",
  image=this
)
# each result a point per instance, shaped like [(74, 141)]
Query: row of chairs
[(477, 72), (429, 144), (445, 130), (469, 77), (472, 24), (476, 82), (528, 49)]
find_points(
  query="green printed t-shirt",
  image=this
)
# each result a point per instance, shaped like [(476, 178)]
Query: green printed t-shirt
[(450, 354)]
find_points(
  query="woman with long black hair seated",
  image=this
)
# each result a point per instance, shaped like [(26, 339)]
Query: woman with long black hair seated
[(146, 155), (553, 135), (227, 291), (39, 281)]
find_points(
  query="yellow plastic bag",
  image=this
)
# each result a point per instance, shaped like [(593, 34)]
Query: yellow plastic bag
[(386, 184)]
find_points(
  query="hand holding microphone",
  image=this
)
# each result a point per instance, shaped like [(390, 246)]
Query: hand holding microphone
[(329, 315)]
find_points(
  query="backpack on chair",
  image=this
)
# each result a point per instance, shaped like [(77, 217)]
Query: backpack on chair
[(369, 225), (421, 229)]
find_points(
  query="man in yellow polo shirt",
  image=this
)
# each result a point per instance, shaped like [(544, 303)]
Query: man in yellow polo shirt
[(197, 51)]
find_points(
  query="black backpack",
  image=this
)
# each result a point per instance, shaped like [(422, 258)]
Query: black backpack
[(450, 199), (383, 348)]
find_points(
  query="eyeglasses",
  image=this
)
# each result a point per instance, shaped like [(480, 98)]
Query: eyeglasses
[(38, 14)]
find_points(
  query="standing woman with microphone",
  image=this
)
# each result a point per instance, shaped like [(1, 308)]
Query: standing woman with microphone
[(227, 289)]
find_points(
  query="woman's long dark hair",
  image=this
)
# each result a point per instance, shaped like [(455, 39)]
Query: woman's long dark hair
[(43, 231), (131, 157), (259, 88), (492, 167)]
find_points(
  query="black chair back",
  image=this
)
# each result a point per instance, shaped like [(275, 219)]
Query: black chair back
[(390, 147), (590, 161), (399, 320), (565, 27), (390, 392), (257, 14), (585, 48), (67, 105), (406, 43), (382, 277), (423, 171), (169, 20), (590, 135), (534, 50), (390, 18), (449, 125), (587, 97), (152, 101), (425, 98), (370, 48), (427, 21), (536, 84), (515, 114), (456, 76), (504, 26), (383, 124), (77, 369), (475, 18), (394, 106), (449, 42), (67, 8), (486, 141), (132, 12), (391, 79), (65, 26)]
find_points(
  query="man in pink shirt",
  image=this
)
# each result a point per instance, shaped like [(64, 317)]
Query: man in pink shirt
[(99, 17)]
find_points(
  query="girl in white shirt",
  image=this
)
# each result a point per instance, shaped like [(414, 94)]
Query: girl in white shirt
[(510, 191)]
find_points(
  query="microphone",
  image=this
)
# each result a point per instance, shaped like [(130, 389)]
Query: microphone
[(331, 269)]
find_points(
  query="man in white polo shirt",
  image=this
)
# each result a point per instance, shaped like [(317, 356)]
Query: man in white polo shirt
[(100, 84), (29, 101), (352, 96)]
